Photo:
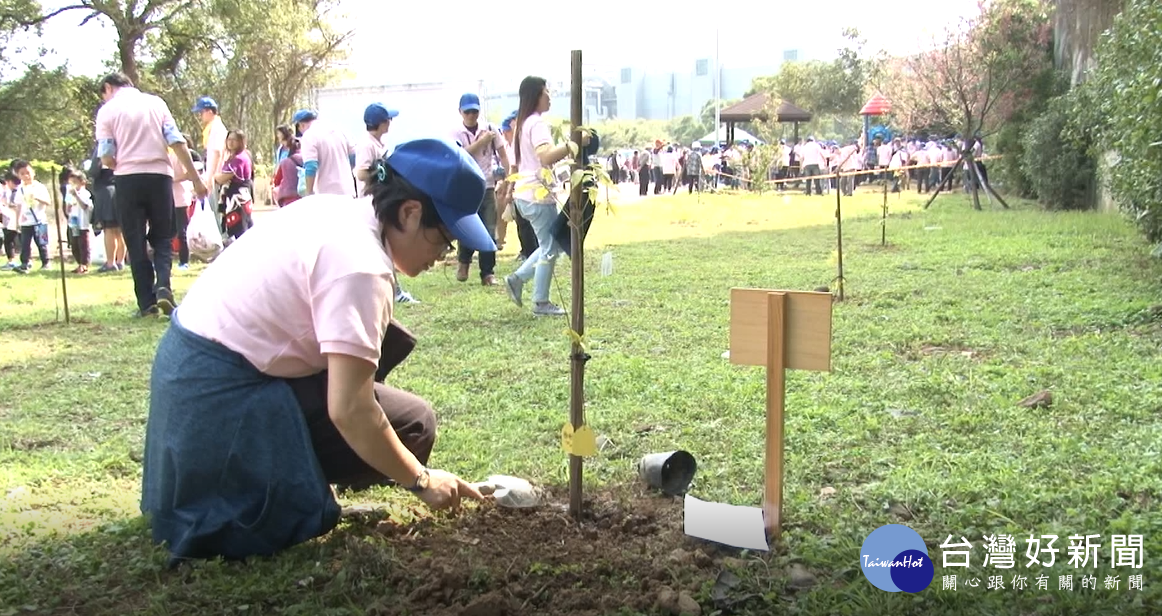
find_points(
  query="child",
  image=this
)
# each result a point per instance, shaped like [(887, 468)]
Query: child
[(79, 204), (32, 200), (9, 220), (237, 179)]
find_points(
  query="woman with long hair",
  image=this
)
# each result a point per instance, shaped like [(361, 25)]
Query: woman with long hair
[(535, 153), (286, 176), (237, 180)]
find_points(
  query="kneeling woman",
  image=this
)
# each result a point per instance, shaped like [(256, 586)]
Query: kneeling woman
[(263, 390)]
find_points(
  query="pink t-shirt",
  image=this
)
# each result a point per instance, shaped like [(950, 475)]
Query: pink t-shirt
[(285, 305), (533, 132), (183, 192), (134, 121), (489, 156), (331, 149)]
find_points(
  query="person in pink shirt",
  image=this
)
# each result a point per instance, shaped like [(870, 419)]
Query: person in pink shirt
[(135, 132), (487, 147), (266, 388), (328, 156)]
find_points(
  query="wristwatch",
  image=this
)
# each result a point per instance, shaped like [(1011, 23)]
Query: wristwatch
[(421, 482)]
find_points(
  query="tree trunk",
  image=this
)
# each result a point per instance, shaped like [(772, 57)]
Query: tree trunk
[(970, 175), (127, 49)]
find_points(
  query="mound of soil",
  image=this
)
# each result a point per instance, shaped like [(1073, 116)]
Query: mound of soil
[(626, 551)]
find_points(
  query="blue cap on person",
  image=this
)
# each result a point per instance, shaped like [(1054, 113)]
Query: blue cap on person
[(447, 174), (205, 103), (506, 124), (304, 115), (376, 114), (469, 102)]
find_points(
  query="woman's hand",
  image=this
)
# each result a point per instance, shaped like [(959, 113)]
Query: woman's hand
[(445, 490)]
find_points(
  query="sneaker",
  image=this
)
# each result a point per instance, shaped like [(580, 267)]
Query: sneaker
[(120, 266), (152, 311), (462, 272), (488, 281), (548, 309), (165, 301), (515, 288), (9, 266), (403, 297), (106, 268), (23, 269), (46, 265), (184, 266)]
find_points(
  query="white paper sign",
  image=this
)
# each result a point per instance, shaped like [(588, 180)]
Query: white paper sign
[(740, 527)]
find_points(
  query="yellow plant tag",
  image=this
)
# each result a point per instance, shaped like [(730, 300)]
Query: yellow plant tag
[(580, 442)]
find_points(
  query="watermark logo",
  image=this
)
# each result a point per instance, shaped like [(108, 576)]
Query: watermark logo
[(894, 558)]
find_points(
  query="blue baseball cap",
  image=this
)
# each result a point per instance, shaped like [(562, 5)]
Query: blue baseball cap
[(205, 103), (469, 102), (506, 124), (376, 114), (447, 174), (304, 115)]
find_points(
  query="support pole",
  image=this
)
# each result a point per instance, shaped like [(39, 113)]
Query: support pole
[(884, 219), (776, 404), (988, 187), (577, 311), (60, 248), (946, 181), (839, 239)]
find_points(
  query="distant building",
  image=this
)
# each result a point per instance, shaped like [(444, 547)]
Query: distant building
[(600, 100)]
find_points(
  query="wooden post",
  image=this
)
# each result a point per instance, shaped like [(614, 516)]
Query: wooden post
[(884, 219), (60, 243), (780, 330), (945, 181), (776, 405), (839, 241), (577, 263)]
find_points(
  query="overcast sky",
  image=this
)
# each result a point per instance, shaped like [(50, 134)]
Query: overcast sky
[(437, 40)]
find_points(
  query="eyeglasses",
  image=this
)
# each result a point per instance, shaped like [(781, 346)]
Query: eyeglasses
[(448, 247)]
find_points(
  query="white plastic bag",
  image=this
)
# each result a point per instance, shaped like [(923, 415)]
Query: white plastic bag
[(202, 234)]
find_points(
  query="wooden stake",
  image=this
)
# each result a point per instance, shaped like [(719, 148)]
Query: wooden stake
[(884, 219), (839, 240), (577, 262), (776, 404), (60, 248), (947, 180)]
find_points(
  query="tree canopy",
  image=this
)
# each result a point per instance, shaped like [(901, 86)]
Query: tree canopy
[(258, 61)]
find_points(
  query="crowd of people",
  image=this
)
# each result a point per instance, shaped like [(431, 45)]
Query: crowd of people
[(809, 165)]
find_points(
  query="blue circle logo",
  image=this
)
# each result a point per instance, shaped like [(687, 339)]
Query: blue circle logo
[(894, 558)]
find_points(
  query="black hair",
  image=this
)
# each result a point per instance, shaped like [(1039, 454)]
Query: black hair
[(117, 80), (530, 92), (285, 132), (389, 191), (11, 177), (19, 164)]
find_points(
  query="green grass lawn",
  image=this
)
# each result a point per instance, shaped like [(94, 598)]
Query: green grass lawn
[(943, 332)]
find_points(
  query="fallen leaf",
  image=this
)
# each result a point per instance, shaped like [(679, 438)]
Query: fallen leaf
[(827, 492), (1040, 400)]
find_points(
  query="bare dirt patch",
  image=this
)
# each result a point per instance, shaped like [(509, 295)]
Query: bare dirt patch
[(627, 551)]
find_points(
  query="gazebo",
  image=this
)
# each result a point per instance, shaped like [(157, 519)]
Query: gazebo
[(755, 107), (877, 105)]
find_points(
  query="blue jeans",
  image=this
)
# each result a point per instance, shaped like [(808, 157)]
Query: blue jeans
[(540, 265)]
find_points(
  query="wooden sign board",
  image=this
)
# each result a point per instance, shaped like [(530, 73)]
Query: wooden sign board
[(806, 324), (779, 330)]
